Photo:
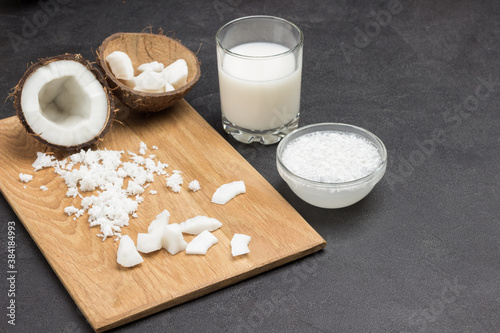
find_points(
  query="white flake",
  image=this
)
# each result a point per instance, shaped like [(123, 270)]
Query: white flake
[(194, 185), (25, 178), (228, 191), (175, 181)]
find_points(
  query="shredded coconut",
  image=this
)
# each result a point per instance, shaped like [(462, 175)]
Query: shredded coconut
[(115, 199), (42, 161), (331, 157), (25, 177), (153, 192), (194, 185), (143, 148), (72, 192), (44, 188), (70, 210), (175, 181)]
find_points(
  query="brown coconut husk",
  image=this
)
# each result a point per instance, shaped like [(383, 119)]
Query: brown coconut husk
[(143, 48), (17, 93)]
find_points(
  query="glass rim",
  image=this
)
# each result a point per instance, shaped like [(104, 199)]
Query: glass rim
[(298, 45)]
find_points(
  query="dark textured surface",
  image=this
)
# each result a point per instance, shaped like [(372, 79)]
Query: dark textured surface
[(420, 254)]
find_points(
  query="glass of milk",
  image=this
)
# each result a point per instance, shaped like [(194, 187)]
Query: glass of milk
[(259, 61)]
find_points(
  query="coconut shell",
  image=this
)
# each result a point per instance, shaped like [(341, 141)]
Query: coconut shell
[(144, 48), (43, 62)]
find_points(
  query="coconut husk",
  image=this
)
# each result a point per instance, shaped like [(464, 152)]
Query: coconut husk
[(144, 48), (17, 93)]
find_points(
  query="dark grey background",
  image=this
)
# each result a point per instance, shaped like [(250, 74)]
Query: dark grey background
[(420, 254)]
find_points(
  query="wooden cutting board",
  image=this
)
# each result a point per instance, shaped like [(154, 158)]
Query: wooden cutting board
[(110, 295)]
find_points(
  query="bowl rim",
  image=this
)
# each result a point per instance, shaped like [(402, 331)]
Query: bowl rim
[(297, 133), (109, 74)]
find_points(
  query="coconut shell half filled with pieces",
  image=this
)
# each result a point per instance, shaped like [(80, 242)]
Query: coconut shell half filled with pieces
[(144, 48), (64, 102)]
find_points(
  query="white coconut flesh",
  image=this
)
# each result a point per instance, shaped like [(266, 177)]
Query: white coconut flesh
[(64, 103)]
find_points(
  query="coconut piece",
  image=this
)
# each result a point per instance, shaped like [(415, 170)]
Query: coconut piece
[(120, 65), (176, 73), (127, 254), (172, 240), (64, 102), (169, 87), (165, 214), (198, 224), (143, 48), (158, 224), (228, 191), (149, 242), (239, 244), (201, 243), (129, 83), (150, 81), (154, 66)]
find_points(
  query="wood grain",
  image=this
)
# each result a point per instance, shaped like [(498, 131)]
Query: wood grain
[(109, 295)]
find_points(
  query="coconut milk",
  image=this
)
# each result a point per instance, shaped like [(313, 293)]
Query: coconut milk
[(259, 92)]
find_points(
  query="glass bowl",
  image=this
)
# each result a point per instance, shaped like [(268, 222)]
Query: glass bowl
[(331, 195)]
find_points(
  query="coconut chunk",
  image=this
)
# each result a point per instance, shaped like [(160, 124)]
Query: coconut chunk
[(150, 82), (172, 240), (169, 87), (129, 83), (154, 66), (239, 244), (198, 224), (149, 242), (127, 254), (201, 243), (228, 191), (176, 73), (121, 65), (160, 222)]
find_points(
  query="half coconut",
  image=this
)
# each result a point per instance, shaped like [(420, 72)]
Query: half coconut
[(64, 102)]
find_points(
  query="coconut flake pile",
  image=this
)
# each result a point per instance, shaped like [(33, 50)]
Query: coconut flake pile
[(331, 157), (103, 170)]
